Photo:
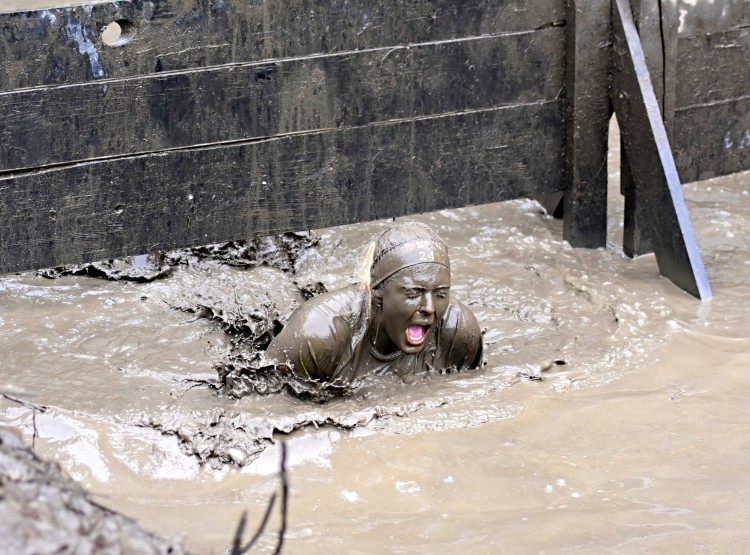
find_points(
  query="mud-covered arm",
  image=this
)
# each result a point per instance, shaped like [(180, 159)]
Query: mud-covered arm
[(460, 338), (313, 341)]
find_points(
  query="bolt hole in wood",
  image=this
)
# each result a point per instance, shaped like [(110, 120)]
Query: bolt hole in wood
[(119, 32)]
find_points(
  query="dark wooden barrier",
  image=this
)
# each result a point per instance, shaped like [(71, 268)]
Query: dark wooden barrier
[(221, 120), (211, 120)]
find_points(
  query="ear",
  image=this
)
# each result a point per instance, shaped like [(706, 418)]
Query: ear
[(377, 296)]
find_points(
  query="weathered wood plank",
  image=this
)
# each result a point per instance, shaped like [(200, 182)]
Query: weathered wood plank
[(712, 117), (713, 67), (705, 17), (65, 46), (712, 139), (98, 210), (163, 111), (586, 122), (657, 23)]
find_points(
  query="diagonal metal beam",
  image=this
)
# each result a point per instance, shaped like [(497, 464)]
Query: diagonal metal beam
[(652, 166)]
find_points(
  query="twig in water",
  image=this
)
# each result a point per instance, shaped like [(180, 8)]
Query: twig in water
[(284, 498), (33, 425), (29, 405), (237, 547), (237, 542)]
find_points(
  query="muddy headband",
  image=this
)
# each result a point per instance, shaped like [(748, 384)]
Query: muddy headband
[(407, 254)]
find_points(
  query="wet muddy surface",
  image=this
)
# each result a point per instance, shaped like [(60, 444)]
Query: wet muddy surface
[(609, 417)]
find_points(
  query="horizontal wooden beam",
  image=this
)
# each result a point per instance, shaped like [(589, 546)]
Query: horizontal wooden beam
[(712, 139), (65, 45), (706, 17), (213, 120), (713, 68), (137, 204), (59, 124)]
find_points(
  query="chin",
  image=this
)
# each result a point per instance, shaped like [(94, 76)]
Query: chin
[(411, 349)]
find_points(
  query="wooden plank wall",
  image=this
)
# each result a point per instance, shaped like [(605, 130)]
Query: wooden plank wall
[(712, 99), (222, 119)]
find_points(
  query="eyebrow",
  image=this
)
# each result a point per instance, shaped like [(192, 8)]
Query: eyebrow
[(423, 288)]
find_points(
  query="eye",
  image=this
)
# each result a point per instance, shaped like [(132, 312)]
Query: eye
[(412, 293), (442, 293)]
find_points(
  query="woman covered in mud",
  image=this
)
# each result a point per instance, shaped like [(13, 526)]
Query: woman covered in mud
[(400, 319)]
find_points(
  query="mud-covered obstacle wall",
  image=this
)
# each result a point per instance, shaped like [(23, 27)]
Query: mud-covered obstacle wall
[(711, 88), (190, 122)]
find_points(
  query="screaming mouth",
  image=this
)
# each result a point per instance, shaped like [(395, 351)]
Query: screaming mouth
[(416, 335)]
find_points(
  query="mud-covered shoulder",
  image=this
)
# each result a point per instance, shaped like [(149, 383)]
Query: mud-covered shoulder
[(460, 338), (319, 333)]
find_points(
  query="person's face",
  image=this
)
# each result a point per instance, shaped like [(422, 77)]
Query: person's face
[(413, 302)]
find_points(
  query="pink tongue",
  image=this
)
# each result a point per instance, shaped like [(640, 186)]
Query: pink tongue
[(415, 334)]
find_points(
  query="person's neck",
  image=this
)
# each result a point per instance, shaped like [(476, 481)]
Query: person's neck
[(378, 338)]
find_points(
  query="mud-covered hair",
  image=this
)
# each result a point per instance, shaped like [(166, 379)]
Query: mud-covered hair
[(398, 235)]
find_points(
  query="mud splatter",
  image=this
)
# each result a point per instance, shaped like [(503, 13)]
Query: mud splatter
[(282, 251), (83, 37)]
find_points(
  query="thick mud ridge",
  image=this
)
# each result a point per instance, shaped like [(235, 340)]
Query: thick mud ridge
[(43, 511)]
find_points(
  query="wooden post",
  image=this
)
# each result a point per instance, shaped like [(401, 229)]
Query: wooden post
[(654, 172), (657, 24), (587, 113)]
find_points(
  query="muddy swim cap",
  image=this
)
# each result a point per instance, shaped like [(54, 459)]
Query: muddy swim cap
[(424, 246)]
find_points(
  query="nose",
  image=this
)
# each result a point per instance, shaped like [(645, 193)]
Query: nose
[(427, 306)]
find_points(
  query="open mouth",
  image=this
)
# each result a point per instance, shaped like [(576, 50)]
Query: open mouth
[(416, 335)]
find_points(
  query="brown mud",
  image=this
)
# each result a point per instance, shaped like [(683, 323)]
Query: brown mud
[(43, 511), (610, 416)]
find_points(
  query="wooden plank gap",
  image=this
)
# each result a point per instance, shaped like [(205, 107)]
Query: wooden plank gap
[(713, 103)]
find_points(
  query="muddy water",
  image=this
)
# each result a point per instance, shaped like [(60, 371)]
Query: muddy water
[(610, 417)]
